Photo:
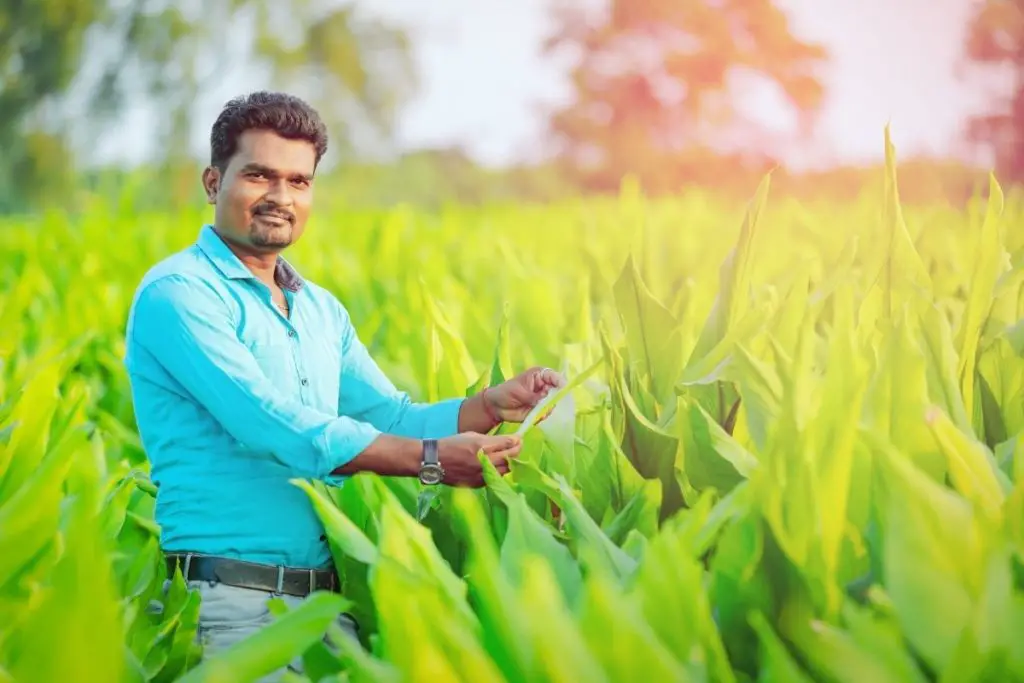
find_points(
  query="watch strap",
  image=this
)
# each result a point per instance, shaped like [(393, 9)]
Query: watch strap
[(430, 456)]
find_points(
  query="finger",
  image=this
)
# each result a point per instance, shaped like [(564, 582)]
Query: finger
[(537, 382), (502, 467), (501, 443), (551, 378), (513, 449), (501, 458)]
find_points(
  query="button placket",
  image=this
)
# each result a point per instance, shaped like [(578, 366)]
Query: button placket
[(299, 368)]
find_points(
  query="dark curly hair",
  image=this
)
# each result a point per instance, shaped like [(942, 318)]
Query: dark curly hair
[(286, 115)]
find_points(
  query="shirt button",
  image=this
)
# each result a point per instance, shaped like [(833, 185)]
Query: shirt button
[(291, 333), (305, 381)]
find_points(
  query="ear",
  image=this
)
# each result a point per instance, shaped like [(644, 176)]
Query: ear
[(211, 183)]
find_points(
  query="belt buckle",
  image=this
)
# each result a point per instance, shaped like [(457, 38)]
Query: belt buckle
[(312, 581)]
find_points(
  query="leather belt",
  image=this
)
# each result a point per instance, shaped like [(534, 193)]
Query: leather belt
[(241, 574)]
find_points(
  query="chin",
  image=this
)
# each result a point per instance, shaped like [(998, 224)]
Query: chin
[(271, 244), (274, 238)]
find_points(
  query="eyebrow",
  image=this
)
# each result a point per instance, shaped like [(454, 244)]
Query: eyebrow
[(248, 168)]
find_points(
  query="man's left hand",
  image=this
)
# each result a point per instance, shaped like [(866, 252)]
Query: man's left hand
[(512, 400)]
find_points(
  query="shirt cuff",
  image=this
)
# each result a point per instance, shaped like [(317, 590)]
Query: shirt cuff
[(342, 441), (422, 421), (441, 419)]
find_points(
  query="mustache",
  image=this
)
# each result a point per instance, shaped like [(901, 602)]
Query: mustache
[(275, 213)]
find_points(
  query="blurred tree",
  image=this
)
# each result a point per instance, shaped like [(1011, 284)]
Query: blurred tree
[(651, 86), (995, 39), (70, 69)]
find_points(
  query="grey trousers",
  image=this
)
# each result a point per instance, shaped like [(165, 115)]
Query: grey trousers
[(228, 614)]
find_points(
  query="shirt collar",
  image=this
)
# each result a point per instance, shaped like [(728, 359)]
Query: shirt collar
[(287, 276), (231, 267)]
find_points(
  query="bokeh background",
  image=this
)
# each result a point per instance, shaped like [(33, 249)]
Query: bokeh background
[(526, 100)]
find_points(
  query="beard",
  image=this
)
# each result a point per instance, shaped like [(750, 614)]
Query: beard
[(270, 230)]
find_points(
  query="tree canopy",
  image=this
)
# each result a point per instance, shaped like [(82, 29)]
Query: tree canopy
[(995, 39), (71, 69), (651, 83)]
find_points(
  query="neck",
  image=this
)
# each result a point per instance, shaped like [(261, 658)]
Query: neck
[(262, 264)]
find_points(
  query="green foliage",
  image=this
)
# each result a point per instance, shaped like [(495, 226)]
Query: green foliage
[(791, 450)]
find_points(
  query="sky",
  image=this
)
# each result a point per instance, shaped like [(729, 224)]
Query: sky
[(484, 83), (482, 75)]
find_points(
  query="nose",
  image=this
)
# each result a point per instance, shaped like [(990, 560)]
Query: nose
[(278, 193)]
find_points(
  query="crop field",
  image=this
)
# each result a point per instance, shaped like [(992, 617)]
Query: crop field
[(793, 449)]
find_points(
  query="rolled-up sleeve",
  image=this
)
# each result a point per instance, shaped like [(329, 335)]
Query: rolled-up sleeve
[(367, 394), (187, 328)]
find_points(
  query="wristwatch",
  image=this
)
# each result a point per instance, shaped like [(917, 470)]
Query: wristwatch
[(431, 472)]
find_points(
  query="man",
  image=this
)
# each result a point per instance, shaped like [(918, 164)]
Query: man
[(245, 375)]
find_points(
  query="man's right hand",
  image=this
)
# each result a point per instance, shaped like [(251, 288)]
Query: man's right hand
[(458, 456)]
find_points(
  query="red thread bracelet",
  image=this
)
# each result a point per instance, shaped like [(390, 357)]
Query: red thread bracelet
[(487, 407)]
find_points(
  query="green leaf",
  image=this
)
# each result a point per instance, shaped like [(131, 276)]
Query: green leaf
[(409, 545), (708, 458), (761, 391), (669, 588), (450, 364), (501, 366), (733, 299), (30, 517), (640, 514), (903, 274), (897, 401), (274, 646), (346, 535), (502, 618), (590, 544), (528, 535), (561, 651), (991, 262), (652, 335), (32, 416), (932, 545), (836, 656), (621, 639), (777, 664), (87, 623), (972, 467)]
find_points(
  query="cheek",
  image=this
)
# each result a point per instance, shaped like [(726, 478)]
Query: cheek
[(303, 202), (242, 197)]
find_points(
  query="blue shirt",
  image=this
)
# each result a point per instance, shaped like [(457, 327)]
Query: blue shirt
[(232, 399)]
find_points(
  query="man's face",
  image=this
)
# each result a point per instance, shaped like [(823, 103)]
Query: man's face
[(263, 197)]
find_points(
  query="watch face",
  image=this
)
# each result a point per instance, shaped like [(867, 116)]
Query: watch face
[(431, 474)]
